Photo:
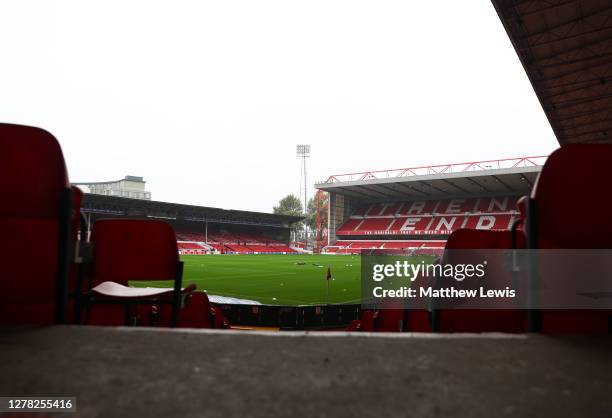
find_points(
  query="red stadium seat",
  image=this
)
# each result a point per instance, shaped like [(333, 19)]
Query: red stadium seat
[(365, 323), (555, 220), (35, 220), (389, 320), (392, 320), (480, 320), (197, 313), (134, 250)]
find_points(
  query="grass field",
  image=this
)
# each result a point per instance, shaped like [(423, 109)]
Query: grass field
[(276, 279)]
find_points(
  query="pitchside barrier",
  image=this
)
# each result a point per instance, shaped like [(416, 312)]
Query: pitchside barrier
[(292, 317)]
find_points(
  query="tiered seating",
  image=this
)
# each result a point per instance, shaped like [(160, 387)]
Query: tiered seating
[(350, 225), (190, 245), (236, 248), (218, 247), (193, 248), (271, 248), (415, 219), (229, 242), (432, 217), (374, 224), (190, 236), (260, 248)]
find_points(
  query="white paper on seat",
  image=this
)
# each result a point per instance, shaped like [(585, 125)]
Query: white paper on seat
[(120, 291)]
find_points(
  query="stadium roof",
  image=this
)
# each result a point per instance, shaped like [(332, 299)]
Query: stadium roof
[(111, 205), (483, 178), (565, 47)]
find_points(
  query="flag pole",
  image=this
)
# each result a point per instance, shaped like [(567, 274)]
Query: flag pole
[(328, 277)]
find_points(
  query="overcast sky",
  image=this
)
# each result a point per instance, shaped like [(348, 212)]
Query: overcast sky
[(207, 99)]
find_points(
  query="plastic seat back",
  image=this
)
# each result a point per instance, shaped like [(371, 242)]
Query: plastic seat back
[(480, 320), (33, 219), (128, 249), (389, 320), (197, 312), (567, 220)]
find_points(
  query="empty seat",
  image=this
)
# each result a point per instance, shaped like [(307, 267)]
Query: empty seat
[(365, 323), (127, 251), (198, 312), (479, 320), (558, 220), (35, 220)]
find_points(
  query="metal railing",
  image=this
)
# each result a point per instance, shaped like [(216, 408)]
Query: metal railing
[(439, 169)]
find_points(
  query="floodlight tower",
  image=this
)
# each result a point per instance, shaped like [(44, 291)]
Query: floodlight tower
[(303, 152)]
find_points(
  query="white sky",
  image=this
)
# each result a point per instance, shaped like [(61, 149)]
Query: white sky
[(207, 99)]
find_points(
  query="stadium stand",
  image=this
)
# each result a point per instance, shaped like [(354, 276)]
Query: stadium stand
[(541, 223), (189, 245), (421, 218), (431, 217), (229, 242), (189, 236)]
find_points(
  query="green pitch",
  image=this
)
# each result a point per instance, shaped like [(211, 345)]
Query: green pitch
[(275, 279)]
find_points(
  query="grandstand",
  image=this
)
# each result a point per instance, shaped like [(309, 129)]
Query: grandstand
[(418, 208), (201, 230)]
